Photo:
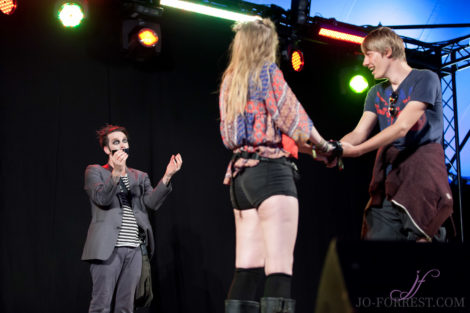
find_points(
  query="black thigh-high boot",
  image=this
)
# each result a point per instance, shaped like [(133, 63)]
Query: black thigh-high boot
[(241, 306), (277, 305)]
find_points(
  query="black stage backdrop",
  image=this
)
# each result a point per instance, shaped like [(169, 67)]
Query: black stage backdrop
[(58, 86)]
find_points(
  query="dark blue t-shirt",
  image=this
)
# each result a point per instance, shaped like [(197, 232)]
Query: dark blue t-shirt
[(419, 85)]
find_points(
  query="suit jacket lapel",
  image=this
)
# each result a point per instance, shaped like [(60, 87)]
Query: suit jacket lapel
[(134, 186), (133, 179)]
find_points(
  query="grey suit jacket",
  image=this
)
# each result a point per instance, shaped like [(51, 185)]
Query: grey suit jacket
[(106, 212)]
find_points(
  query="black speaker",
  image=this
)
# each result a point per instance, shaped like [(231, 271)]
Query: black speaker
[(375, 276)]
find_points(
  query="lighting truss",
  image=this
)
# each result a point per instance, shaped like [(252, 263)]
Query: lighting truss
[(448, 112), (455, 56), (455, 52)]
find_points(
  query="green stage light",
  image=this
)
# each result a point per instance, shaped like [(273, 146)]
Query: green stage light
[(358, 84), (206, 10), (71, 14)]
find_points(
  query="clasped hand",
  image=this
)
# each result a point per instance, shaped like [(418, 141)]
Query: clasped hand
[(327, 156), (118, 160)]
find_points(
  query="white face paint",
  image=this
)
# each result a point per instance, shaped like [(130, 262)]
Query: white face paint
[(116, 141)]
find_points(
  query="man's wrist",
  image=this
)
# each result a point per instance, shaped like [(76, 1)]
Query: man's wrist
[(115, 177), (322, 146), (359, 150), (117, 174), (166, 179)]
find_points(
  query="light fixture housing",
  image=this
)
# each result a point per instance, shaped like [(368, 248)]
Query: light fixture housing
[(141, 39)]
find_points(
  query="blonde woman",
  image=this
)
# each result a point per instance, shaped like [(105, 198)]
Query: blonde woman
[(263, 123)]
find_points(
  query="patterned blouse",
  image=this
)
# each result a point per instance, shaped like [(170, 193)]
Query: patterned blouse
[(272, 116)]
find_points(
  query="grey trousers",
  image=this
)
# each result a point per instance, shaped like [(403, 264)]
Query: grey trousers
[(116, 277), (390, 222)]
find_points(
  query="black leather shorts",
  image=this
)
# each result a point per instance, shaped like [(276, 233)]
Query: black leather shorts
[(255, 184)]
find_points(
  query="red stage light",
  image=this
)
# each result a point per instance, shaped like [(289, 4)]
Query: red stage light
[(148, 37), (8, 6), (339, 35), (297, 60)]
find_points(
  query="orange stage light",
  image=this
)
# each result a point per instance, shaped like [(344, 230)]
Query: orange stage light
[(297, 60), (340, 35), (148, 37), (8, 6)]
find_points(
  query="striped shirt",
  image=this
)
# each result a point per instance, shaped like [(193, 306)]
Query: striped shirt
[(129, 232)]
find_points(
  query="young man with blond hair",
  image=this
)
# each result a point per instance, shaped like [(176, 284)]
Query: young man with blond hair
[(410, 194)]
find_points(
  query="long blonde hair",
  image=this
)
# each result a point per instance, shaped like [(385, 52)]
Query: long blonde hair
[(255, 43)]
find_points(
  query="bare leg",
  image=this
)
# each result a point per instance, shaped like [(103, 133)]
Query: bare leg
[(249, 262), (249, 239), (279, 218)]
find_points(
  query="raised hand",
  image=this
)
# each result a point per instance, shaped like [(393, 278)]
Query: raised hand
[(176, 161)]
